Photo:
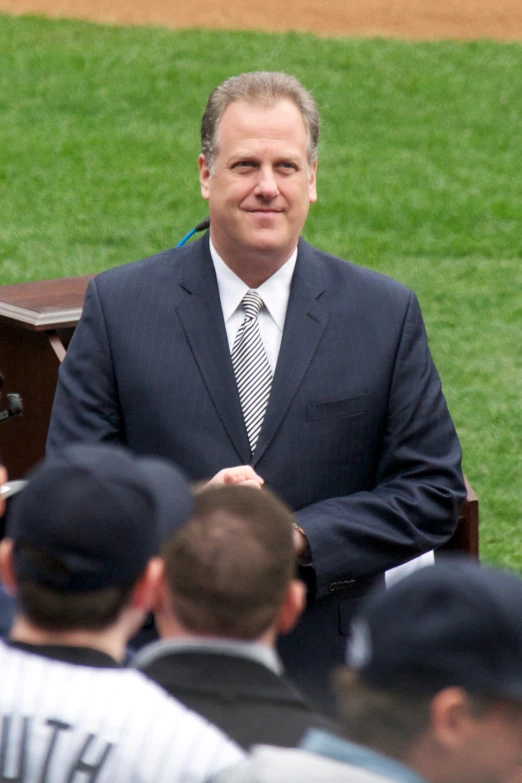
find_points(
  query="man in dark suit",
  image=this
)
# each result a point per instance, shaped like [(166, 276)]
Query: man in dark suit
[(356, 436), (228, 590)]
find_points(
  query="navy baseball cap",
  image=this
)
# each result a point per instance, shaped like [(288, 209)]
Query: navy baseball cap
[(452, 624), (99, 512)]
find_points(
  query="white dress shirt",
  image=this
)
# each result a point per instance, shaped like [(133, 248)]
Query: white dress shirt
[(275, 293)]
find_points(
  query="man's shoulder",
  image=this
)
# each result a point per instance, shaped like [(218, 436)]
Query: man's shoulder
[(79, 673), (343, 274), (102, 701), (164, 266), (279, 765), (114, 685)]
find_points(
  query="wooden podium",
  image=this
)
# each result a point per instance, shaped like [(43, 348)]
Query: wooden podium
[(36, 324), (37, 321)]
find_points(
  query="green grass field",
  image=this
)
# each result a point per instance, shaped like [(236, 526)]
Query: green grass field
[(419, 177)]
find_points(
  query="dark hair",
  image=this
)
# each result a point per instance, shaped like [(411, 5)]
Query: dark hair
[(265, 88), (58, 610), (388, 720), (229, 568)]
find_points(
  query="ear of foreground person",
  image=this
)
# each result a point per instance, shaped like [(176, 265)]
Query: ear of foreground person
[(227, 592), (432, 690), (81, 556)]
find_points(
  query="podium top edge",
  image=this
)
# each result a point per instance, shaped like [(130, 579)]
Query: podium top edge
[(42, 304)]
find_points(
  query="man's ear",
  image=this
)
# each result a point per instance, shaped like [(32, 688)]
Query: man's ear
[(312, 184), (146, 589), (450, 718), (292, 606), (161, 592), (204, 177), (6, 566)]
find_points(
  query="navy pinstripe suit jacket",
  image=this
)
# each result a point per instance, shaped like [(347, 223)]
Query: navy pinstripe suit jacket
[(357, 437)]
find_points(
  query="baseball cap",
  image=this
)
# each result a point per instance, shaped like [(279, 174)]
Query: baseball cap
[(452, 624), (100, 512)]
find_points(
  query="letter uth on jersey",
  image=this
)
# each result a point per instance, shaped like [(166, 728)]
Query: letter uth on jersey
[(64, 723)]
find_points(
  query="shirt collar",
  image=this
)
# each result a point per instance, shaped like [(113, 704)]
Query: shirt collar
[(325, 744), (82, 656), (274, 292), (255, 651)]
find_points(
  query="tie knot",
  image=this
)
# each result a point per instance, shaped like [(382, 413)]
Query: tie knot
[(252, 303)]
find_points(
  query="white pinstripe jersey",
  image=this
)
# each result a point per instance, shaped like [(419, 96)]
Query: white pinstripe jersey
[(65, 723)]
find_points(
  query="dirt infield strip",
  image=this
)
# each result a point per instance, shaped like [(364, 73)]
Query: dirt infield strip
[(421, 19)]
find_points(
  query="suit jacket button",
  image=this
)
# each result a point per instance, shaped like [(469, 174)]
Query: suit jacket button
[(340, 585)]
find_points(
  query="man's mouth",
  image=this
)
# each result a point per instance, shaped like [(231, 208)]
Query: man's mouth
[(262, 211)]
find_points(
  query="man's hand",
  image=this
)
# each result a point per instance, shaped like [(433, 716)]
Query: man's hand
[(301, 546), (3, 479), (243, 475)]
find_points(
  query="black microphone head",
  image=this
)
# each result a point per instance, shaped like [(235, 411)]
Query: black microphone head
[(203, 225), (16, 406)]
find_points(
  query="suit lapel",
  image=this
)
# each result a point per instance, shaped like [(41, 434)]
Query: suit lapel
[(202, 319), (305, 323)]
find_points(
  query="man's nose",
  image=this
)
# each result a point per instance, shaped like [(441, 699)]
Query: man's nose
[(266, 185)]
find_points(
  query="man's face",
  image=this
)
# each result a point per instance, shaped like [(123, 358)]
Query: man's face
[(262, 185), (496, 746)]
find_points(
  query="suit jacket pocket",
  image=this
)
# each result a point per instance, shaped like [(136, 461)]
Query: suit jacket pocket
[(317, 411)]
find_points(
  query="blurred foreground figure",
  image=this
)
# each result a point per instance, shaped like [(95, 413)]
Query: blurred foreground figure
[(6, 601), (81, 555), (228, 591), (3, 479), (434, 694)]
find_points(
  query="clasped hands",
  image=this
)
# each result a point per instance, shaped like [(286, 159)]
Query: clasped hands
[(245, 476)]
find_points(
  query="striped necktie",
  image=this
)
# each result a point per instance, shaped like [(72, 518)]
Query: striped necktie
[(251, 368)]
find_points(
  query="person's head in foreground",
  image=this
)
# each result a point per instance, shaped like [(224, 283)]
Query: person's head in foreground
[(230, 572), (82, 545), (432, 692), (436, 674), (82, 557)]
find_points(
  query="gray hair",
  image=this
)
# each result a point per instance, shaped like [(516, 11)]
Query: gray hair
[(265, 88)]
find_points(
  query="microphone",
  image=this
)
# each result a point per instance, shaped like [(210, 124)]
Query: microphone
[(14, 408), (201, 226), (15, 405)]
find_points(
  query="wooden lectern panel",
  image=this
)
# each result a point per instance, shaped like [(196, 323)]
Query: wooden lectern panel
[(37, 321), (466, 536), (44, 304)]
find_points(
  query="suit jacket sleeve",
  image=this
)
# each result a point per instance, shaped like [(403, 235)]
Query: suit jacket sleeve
[(86, 406), (418, 490)]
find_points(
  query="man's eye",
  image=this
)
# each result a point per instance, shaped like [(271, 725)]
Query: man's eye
[(286, 165)]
